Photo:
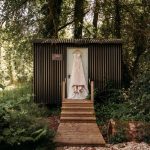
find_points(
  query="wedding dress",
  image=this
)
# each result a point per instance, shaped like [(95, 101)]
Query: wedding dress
[(78, 86)]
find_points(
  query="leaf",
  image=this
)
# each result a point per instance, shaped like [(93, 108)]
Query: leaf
[(6, 132), (41, 135), (26, 139), (37, 132)]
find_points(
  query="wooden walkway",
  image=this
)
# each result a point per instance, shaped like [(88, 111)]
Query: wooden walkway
[(78, 124)]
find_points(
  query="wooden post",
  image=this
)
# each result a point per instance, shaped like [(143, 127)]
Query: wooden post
[(63, 90), (92, 91)]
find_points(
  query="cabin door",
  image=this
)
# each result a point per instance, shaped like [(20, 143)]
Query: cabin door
[(70, 58)]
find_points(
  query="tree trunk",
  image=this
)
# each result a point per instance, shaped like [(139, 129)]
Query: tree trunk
[(95, 18), (117, 19), (52, 11), (10, 68), (140, 37), (139, 48), (126, 75), (78, 18)]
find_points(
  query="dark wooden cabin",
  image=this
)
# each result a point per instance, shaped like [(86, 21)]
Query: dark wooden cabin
[(51, 62)]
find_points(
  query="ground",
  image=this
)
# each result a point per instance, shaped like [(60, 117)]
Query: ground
[(54, 122), (121, 146)]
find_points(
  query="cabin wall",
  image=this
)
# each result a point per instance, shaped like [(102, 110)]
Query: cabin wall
[(104, 65), (48, 74)]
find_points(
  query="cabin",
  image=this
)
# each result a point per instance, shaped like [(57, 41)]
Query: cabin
[(53, 60)]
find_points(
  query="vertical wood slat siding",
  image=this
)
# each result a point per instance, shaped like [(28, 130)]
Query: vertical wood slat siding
[(48, 74), (104, 64)]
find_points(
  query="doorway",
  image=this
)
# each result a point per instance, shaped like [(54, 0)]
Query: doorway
[(84, 57)]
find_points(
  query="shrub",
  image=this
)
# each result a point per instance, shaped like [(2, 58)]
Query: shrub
[(139, 97), (111, 103), (129, 105), (21, 123), (132, 104), (104, 112)]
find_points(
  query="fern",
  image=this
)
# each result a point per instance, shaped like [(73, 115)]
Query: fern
[(21, 121)]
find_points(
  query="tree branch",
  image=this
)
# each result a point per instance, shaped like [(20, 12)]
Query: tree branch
[(65, 25)]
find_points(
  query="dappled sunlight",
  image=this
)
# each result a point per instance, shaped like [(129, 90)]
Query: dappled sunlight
[(116, 36), (11, 87)]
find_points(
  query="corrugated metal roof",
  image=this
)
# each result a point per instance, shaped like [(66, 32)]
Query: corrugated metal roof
[(77, 41)]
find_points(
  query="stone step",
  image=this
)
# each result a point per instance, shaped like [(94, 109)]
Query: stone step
[(77, 114), (77, 109), (78, 119)]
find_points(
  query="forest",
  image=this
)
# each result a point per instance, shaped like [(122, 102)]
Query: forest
[(22, 21), (26, 20)]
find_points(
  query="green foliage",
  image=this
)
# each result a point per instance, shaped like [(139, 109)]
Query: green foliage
[(139, 97), (105, 112), (16, 92), (111, 103), (54, 110), (22, 123), (132, 104), (24, 20), (2, 86)]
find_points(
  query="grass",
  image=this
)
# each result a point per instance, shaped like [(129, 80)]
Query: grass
[(16, 92)]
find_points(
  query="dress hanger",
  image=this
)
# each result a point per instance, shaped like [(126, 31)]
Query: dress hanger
[(77, 52)]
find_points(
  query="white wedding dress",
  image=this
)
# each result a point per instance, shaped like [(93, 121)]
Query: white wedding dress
[(78, 86)]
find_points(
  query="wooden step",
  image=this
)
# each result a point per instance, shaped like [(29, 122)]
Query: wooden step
[(77, 105), (78, 125), (77, 114), (76, 101), (78, 134), (78, 119), (77, 109)]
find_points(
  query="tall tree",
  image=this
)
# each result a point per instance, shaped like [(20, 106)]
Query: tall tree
[(117, 19), (140, 40), (135, 34), (78, 18), (52, 12), (23, 20), (107, 19), (117, 34), (95, 18)]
